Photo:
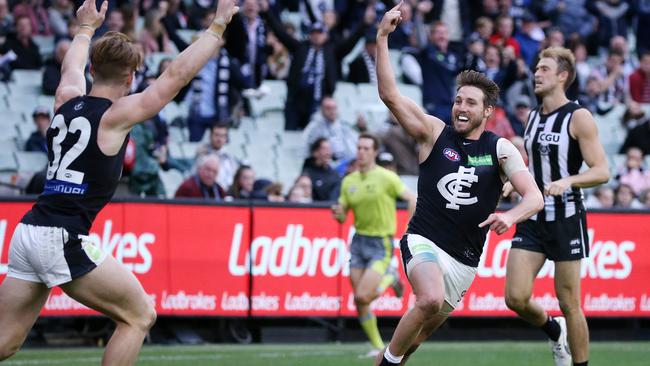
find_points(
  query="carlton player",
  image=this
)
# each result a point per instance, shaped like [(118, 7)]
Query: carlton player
[(462, 170), (86, 144)]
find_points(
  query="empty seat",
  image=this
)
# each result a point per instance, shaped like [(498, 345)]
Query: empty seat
[(30, 161), (26, 77), (171, 180), (7, 162)]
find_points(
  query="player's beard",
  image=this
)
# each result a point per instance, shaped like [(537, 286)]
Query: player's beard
[(466, 128)]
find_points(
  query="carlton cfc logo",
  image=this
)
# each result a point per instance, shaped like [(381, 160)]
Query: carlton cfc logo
[(451, 154)]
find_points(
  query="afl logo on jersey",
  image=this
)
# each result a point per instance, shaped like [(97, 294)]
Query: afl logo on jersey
[(78, 106), (451, 154)]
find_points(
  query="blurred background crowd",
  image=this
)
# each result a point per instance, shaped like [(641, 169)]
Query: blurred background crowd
[(276, 113)]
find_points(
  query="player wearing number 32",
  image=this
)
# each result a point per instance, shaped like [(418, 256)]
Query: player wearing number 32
[(462, 170), (86, 144)]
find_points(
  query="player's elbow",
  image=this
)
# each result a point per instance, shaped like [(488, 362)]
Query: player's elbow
[(604, 175), (388, 96)]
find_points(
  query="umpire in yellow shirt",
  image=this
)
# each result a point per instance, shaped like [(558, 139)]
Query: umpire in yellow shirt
[(371, 193)]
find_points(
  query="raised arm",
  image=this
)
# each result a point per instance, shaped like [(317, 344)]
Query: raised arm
[(424, 128), (136, 108), (583, 128), (73, 80), (277, 28)]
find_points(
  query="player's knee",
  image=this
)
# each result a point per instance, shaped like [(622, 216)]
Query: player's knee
[(145, 319), (363, 297), (516, 302), (569, 306), (430, 305)]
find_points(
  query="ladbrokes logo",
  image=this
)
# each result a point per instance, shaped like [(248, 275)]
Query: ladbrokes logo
[(291, 254), (129, 248)]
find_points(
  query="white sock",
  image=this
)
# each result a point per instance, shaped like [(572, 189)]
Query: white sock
[(391, 358)]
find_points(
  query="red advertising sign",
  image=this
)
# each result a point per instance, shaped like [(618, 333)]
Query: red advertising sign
[(195, 260)]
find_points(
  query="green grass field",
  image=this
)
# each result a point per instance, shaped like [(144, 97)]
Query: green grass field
[(438, 353)]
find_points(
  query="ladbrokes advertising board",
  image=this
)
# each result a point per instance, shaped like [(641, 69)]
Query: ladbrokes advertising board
[(198, 260)]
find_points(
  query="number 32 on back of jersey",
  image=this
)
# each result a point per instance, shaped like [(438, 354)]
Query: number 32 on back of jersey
[(58, 167)]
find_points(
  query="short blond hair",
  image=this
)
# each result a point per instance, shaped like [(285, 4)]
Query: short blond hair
[(114, 57), (565, 60)]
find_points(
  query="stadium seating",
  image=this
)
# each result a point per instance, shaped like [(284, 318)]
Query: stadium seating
[(30, 161)]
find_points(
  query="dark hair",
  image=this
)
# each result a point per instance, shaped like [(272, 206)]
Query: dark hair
[(375, 141), (114, 57), (565, 62), (317, 144), (644, 53), (235, 189), (479, 80)]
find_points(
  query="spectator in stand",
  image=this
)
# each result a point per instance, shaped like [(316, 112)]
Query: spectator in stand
[(404, 35), (439, 69), (590, 97), (173, 20), (519, 118), (625, 198), (639, 137), (570, 16), (554, 38), (279, 59), (603, 197), (150, 157), (639, 80), (529, 37), (641, 8), (474, 56), (217, 145), (37, 141), (153, 36), (37, 15), (314, 67), (402, 146), (215, 92), (362, 68), (613, 19), (242, 185), (52, 72), (634, 173), (115, 21), (620, 45), (341, 136), (6, 21), (504, 36), (645, 199), (583, 68), (484, 28), (254, 39), (203, 183), (612, 87), (301, 191), (27, 53), (325, 180), (502, 70), (60, 14), (634, 115)]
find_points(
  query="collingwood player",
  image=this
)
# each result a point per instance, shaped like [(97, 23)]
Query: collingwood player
[(462, 170), (560, 135), (86, 144)]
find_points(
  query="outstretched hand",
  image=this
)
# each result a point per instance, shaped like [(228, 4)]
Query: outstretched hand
[(87, 14), (390, 21), (226, 9)]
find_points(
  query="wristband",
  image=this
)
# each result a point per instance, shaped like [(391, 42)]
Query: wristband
[(83, 36), (87, 26), (213, 33)]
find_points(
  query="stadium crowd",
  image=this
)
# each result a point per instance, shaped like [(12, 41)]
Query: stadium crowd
[(317, 46)]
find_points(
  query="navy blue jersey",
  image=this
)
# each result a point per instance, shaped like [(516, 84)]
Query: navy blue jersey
[(81, 179), (458, 188)]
